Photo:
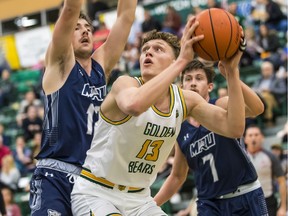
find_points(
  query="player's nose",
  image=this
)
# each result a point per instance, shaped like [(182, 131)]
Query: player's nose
[(148, 52), (193, 83), (85, 32)]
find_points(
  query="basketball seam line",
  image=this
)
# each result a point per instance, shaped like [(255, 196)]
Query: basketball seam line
[(231, 32), (214, 35)]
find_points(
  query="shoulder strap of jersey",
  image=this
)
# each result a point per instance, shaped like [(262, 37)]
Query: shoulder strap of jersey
[(179, 94), (139, 80)]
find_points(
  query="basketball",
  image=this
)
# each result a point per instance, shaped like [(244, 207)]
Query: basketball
[(221, 34)]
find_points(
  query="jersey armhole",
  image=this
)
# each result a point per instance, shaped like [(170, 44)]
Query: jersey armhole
[(183, 103)]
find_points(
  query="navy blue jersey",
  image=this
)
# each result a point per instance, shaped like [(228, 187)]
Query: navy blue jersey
[(220, 164), (70, 115)]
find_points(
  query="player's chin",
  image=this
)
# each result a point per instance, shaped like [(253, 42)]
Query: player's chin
[(148, 73), (86, 50)]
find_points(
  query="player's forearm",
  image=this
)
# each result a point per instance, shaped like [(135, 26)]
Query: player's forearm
[(152, 90), (126, 10), (236, 105), (108, 54), (65, 25), (168, 189), (282, 191), (73, 6), (252, 101)]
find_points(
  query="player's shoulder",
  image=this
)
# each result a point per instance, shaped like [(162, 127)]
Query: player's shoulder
[(125, 81), (191, 99), (189, 95), (127, 78)]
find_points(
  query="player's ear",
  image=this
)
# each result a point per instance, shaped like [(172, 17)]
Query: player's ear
[(210, 87)]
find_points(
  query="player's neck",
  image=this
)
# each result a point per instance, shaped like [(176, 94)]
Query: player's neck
[(207, 98), (163, 103), (86, 64)]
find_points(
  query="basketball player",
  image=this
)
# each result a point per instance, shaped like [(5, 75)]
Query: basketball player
[(225, 178), (74, 84), (138, 125)]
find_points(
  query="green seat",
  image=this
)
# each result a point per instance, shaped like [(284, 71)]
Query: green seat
[(25, 75), (250, 80), (249, 71), (25, 79)]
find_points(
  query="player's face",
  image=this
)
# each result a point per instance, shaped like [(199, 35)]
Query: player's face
[(253, 139), (156, 56), (83, 39), (196, 80)]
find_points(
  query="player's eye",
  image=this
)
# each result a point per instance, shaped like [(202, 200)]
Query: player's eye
[(158, 49), (144, 49), (187, 79)]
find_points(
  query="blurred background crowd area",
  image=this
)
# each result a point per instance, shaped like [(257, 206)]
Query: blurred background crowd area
[(24, 36)]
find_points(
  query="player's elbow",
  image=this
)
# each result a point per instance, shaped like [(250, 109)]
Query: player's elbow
[(259, 109)]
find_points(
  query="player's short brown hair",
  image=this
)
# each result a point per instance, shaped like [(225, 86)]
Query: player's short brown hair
[(169, 38), (195, 64), (85, 17)]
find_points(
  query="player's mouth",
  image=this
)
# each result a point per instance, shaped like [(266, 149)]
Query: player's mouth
[(195, 90), (84, 40), (147, 61)]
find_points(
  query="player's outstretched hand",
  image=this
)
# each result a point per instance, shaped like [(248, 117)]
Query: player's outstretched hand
[(188, 39)]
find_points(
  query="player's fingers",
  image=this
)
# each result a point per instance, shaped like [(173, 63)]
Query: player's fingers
[(190, 22), (241, 31), (194, 26), (188, 25), (189, 28), (191, 35), (243, 44)]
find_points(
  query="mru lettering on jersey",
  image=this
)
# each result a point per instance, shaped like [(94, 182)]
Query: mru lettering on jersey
[(202, 144), (93, 92), (159, 130)]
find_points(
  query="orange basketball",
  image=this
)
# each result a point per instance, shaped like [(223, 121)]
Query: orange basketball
[(221, 34)]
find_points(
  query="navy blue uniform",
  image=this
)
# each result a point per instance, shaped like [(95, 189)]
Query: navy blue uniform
[(70, 116), (220, 166)]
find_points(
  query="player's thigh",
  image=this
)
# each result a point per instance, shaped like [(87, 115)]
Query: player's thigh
[(50, 193), (252, 203), (256, 202), (85, 205), (148, 208), (207, 208)]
